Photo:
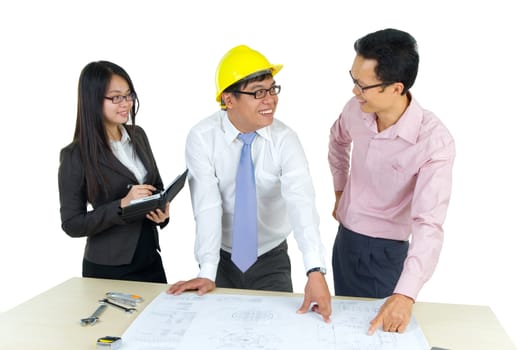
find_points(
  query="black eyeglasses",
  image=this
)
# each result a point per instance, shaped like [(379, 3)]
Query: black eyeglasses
[(120, 98), (363, 88), (261, 93)]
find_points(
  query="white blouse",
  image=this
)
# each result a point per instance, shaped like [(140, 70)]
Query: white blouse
[(124, 151)]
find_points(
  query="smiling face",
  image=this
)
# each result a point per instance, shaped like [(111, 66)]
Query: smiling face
[(246, 112), (116, 114), (386, 99), (371, 100)]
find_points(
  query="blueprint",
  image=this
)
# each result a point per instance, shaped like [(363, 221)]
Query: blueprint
[(250, 322)]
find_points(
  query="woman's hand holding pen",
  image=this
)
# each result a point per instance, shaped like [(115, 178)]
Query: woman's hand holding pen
[(141, 191), (136, 192)]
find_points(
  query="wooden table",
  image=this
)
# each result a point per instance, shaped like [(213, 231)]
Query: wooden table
[(51, 320)]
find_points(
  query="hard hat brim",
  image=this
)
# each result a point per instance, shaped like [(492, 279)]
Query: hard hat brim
[(273, 68)]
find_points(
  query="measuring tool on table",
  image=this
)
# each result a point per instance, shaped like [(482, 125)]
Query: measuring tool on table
[(90, 321)]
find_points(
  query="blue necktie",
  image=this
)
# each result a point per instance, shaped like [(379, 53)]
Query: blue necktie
[(244, 250)]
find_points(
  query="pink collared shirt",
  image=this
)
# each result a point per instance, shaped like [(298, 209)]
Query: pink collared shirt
[(396, 184)]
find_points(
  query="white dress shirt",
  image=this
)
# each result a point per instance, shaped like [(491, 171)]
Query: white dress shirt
[(285, 193), (124, 151)]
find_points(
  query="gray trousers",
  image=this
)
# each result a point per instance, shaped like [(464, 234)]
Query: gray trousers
[(271, 271)]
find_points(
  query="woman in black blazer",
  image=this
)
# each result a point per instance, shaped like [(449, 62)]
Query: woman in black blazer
[(108, 164)]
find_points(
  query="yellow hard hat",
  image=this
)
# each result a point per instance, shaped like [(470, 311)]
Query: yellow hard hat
[(239, 63)]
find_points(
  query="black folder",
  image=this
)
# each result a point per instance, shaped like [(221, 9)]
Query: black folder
[(138, 208)]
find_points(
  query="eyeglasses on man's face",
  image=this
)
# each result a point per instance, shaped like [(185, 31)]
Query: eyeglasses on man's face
[(120, 98), (261, 93), (362, 89)]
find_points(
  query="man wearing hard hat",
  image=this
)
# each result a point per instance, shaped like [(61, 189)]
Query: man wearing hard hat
[(250, 187)]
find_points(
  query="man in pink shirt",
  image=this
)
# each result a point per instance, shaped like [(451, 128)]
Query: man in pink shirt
[(391, 162)]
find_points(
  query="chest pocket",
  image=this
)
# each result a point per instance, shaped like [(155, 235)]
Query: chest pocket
[(401, 174)]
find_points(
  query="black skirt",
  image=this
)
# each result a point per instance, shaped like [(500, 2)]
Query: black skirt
[(146, 265)]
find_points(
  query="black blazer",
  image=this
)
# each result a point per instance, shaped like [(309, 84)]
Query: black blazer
[(110, 239)]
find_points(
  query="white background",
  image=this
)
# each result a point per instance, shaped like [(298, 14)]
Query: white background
[(472, 75)]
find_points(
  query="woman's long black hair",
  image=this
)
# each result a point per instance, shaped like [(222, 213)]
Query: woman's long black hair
[(90, 133)]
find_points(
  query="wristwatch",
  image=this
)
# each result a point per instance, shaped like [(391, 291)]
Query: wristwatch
[(316, 269)]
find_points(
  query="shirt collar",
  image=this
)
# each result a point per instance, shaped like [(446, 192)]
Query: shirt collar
[(407, 127), (231, 132), (125, 137)]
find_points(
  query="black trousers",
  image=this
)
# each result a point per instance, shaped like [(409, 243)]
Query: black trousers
[(271, 271), (365, 266), (146, 265)]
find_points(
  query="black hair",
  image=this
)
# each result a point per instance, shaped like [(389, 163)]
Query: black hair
[(396, 53), (90, 133)]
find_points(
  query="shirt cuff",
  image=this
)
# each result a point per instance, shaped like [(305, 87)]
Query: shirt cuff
[(313, 260), (208, 271), (409, 286)]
